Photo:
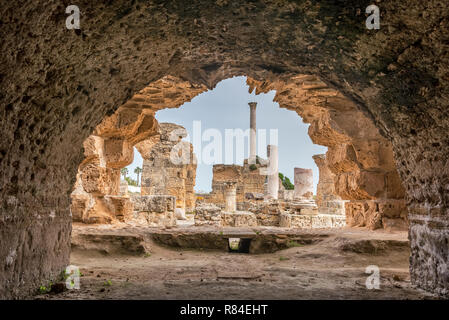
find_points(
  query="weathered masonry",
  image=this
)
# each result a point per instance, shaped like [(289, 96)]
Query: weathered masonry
[(377, 98)]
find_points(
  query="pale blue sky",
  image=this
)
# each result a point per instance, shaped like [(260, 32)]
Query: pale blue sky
[(226, 107)]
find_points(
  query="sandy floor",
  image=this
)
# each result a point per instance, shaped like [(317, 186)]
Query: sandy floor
[(330, 269)]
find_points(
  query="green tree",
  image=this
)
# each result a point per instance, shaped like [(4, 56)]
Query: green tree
[(138, 171), (131, 182), (124, 172), (288, 185)]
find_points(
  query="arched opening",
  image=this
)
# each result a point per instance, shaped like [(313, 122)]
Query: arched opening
[(355, 188)]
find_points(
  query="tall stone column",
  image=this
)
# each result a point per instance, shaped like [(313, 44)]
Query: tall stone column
[(230, 196), (273, 172), (252, 132), (303, 183)]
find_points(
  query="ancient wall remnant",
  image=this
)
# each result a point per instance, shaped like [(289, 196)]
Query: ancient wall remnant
[(359, 157), (169, 166), (326, 197), (97, 178), (207, 214), (248, 180), (153, 210), (311, 221)]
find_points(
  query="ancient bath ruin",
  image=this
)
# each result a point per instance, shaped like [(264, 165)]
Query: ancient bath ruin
[(77, 102)]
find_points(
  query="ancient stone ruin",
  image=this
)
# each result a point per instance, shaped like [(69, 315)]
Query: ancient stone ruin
[(169, 167), (74, 103), (168, 179)]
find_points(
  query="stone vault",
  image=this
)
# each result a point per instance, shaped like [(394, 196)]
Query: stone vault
[(57, 85)]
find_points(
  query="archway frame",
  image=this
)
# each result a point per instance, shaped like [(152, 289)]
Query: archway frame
[(57, 85)]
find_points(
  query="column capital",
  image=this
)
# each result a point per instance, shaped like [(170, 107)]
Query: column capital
[(252, 104)]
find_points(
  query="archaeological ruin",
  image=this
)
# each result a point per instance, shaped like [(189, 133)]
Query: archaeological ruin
[(76, 102)]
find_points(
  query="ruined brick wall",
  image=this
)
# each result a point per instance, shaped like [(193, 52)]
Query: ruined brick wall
[(252, 179), (221, 174), (247, 177)]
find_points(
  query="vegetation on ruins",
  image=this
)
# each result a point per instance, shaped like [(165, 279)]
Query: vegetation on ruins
[(288, 185), (293, 244)]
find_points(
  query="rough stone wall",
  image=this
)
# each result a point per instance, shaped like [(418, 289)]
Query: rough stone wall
[(253, 180), (307, 221), (153, 211), (326, 197), (169, 166), (267, 213), (57, 85), (97, 177), (247, 177), (207, 214)]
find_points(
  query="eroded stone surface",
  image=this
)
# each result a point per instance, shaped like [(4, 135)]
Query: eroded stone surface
[(57, 85), (153, 211), (169, 166), (326, 197)]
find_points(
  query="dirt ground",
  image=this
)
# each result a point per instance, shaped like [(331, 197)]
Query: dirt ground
[(333, 268)]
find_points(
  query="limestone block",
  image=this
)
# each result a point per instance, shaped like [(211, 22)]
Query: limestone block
[(118, 153), (311, 221), (154, 203), (208, 214), (99, 180), (154, 210), (372, 214), (79, 206), (328, 221), (120, 207), (336, 207), (238, 219)]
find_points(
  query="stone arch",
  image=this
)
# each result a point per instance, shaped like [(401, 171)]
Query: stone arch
[(57, 85)]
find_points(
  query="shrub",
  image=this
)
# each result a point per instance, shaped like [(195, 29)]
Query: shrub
[(253, 167), (288, 185), (292, 244), (131, 182)]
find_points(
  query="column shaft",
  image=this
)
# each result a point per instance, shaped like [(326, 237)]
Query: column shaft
[(273, 176)]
